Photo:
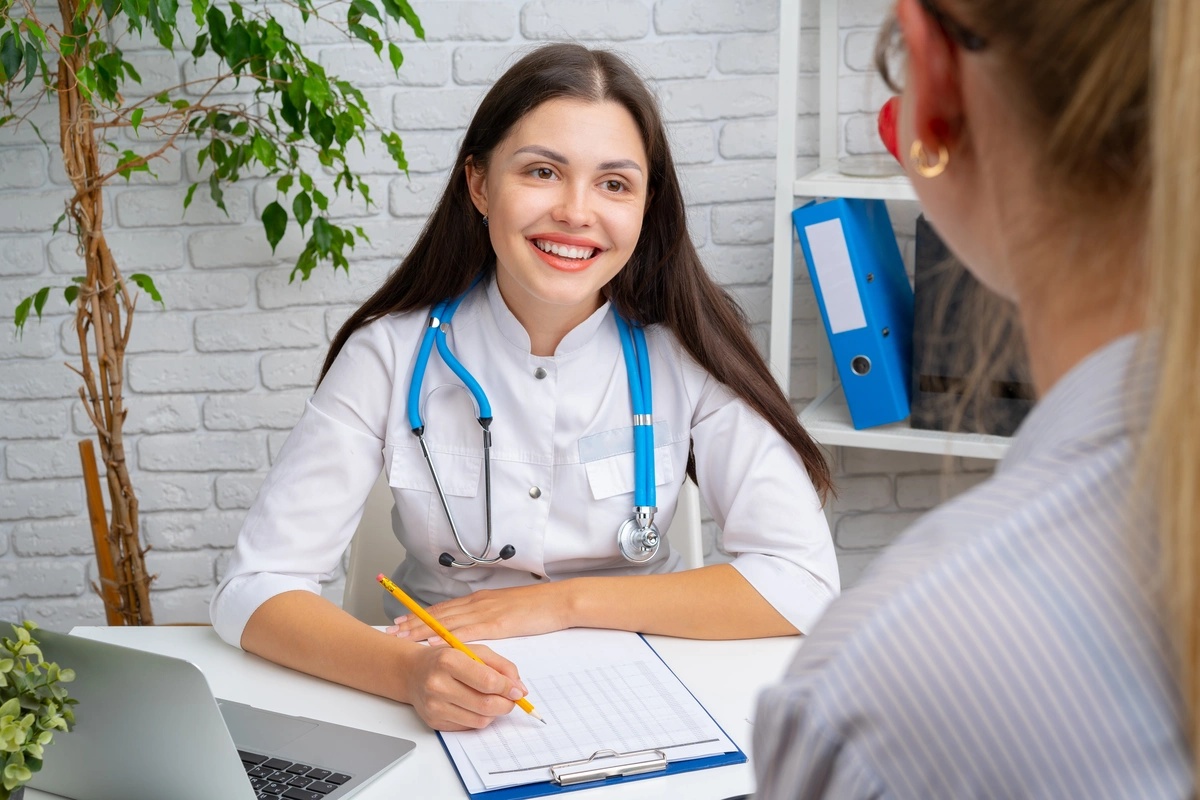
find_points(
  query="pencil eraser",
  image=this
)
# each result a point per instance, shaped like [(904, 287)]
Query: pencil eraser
[(379, 577)]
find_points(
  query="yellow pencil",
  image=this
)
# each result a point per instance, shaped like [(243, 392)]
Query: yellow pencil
[(441, 631)]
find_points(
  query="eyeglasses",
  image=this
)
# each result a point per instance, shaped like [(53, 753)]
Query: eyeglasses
[(958, 33)]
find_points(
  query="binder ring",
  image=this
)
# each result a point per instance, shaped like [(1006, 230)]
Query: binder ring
[(860, 365)]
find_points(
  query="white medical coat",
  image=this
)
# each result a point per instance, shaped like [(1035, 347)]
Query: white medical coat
[(562, 468)]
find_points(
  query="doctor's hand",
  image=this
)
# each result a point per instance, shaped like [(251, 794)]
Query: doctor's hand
[(492, 614), (452, 692)]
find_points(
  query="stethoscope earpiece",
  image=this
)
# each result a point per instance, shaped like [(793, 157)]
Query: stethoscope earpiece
[(506, 552)]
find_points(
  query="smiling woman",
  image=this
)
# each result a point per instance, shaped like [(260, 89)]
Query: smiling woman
[(578, 332), (564, 210)]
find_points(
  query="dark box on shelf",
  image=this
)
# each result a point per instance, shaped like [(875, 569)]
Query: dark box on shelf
[(970, 372)]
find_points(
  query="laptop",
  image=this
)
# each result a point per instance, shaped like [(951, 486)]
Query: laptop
[(148, 728)]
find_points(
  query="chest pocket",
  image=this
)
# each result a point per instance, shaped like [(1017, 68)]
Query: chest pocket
[(608, 460), (459, 474)]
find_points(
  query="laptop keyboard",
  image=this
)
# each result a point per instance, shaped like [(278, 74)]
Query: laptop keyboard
[(274, 778)]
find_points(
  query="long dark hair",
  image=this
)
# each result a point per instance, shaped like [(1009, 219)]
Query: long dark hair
[(664, 281)]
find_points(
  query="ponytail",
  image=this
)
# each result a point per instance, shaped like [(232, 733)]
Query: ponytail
[(1170, 456)]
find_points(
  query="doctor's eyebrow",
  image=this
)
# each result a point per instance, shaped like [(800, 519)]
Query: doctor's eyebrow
[(553, 155)]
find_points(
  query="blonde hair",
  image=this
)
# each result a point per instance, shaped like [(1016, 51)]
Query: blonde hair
[(1170, 455)]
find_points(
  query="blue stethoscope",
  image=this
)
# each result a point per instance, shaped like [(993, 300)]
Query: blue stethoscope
[(638, 538)]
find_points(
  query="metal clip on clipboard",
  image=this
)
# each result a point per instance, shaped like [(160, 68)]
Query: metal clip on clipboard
[(587, 769)]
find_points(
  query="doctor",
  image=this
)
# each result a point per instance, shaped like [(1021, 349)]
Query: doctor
[(550, 355)]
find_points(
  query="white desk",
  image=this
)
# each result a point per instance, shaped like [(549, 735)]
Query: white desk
[(724, 676)]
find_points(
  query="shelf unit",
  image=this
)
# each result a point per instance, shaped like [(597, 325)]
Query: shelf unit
[(827, 418)]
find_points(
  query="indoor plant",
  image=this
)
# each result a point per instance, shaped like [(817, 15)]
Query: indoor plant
[(33, 705), (258, 107)]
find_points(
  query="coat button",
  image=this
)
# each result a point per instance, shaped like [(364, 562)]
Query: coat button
[(539, 373), (535, 492)]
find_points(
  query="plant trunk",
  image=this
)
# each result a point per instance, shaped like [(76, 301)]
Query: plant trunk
[(103, 299)]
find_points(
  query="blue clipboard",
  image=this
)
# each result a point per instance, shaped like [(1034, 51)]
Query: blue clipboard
[(549, 788)]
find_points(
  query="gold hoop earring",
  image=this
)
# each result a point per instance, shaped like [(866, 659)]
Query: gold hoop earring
[(919, 159)]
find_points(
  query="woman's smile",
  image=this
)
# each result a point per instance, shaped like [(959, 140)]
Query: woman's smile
[(566, 253)]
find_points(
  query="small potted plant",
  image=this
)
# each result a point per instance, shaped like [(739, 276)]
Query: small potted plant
[(33, 705)]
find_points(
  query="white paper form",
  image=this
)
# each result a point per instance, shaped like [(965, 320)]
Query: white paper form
[(598, 690)]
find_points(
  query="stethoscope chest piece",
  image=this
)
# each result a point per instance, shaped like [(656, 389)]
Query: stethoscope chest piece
[(638, 543)]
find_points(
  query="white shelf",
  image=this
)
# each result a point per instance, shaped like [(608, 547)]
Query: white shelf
[(827, 419), (828, 182)]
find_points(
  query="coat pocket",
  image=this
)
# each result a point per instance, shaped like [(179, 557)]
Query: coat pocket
[(459, 474), (608, 461)]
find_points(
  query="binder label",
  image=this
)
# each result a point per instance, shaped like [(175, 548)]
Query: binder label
[(831, 262)]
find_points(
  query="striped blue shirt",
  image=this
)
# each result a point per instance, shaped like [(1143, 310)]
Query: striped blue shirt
[(1010, 644)]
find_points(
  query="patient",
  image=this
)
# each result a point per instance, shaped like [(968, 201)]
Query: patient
[(1038, 636)]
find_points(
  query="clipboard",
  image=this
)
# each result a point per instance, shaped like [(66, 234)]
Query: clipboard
[(608, 766)]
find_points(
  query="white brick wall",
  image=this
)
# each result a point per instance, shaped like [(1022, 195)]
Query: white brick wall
[(217, 377)]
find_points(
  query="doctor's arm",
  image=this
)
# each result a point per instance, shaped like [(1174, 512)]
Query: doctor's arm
[(448, 690)]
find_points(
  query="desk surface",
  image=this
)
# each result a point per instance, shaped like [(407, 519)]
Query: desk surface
[(724, 676)]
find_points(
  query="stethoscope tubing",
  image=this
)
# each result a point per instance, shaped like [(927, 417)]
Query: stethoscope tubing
[(637, 367), (637, 363)]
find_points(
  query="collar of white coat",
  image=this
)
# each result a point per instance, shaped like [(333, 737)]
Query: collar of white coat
[(512, 329)]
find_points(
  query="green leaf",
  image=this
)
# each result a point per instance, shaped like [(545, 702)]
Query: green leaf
[(321, 200), (19, 317), (31, 63), (61, 218), (187, 199), (199, 9), (368, 35), (127, 158), (10, 55), (366, 7), (316, 89), (216, 192), (284, 184), (395, 149), (146, 284), (135, 118), (167, 9), (39, 300), (275, 40), (410, 16), (201, 46), (274, 220), (34, 28), (237, 46), (396, 56), (70, 293), (217, 28), (302, 208), (322, 234), (263, 150)]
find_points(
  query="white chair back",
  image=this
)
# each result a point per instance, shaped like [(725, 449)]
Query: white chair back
[(375, 548)]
